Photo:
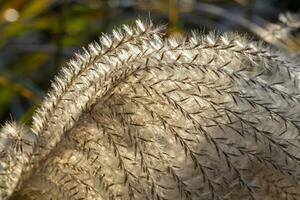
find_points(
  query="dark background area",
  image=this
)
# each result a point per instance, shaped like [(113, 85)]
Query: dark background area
[(38, 36)]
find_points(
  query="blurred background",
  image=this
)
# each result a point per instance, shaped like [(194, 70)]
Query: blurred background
[(38, 36)]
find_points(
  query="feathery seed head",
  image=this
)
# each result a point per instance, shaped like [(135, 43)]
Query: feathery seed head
[(139, 116)]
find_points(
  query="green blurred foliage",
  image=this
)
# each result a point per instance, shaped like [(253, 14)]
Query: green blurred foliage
[(38, 36)]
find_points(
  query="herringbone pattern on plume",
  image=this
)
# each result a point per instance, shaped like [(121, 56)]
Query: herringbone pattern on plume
[(140, 116)]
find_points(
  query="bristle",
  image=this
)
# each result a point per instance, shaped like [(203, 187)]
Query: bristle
[(141, 116), (16, 144), (71, 76)]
